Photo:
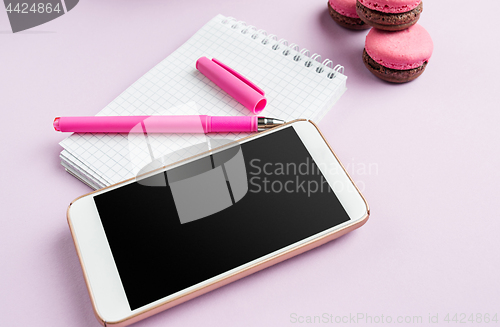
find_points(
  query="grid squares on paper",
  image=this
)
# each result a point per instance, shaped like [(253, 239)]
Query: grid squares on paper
[(292, 89)]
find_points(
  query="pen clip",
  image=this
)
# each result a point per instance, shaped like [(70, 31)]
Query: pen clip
[(239, 76)]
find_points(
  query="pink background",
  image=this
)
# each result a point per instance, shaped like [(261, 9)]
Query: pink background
[(425, 154)]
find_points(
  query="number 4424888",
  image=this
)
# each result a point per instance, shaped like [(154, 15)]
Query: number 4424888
[(478, 318), (36, 8)]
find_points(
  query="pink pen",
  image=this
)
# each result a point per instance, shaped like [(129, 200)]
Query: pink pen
[(164, 124)]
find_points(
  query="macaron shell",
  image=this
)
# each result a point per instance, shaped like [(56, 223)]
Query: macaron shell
[(391, 6), (344, 7), (392, 75), (406, 49), (352, 23), (389, 22)]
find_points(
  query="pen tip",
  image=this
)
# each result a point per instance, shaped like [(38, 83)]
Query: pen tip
[(266, 123)]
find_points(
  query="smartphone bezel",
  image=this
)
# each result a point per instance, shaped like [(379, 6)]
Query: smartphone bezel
[(101, 275)]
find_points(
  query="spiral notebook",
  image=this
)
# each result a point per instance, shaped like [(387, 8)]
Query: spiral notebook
[(297, 85)]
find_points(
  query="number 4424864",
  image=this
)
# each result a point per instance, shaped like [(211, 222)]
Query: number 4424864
[(36, 8), (462, 318)]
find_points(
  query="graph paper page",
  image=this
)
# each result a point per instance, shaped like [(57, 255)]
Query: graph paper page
[(295, 86)]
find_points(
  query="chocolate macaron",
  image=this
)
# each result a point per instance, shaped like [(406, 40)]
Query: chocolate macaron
[(389, 15), (400, 56), (344, 13)]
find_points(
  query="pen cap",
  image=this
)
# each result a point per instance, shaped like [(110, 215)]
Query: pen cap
[(237, 86)]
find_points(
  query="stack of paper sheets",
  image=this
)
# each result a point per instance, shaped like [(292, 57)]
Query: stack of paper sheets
[(296, 86)]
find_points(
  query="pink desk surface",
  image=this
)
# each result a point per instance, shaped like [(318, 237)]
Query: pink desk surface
[(425, 154)]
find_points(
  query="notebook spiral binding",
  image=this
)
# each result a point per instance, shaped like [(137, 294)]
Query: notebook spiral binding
[(292, 49)]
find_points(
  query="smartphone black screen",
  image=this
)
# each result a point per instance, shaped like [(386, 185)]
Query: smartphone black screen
[(157, 255)]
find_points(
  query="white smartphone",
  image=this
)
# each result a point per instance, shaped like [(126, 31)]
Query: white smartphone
[(155, 241)]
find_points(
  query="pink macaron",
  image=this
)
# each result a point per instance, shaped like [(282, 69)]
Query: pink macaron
[(344, 13), (398, 56), (391, 15)]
